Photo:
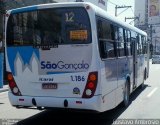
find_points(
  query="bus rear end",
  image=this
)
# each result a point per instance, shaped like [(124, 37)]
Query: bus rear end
[(49, 57)]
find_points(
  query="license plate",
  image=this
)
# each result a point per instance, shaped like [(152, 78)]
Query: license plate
[(49, 86)]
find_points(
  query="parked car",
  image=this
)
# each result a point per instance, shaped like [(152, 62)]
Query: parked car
[(155, 59)]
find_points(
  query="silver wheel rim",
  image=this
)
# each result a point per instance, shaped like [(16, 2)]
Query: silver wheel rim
[(126, 94)]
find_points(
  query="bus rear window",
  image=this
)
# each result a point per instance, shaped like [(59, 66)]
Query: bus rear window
[(49, 26)]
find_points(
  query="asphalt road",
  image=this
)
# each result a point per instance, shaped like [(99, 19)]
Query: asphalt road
[(144, 105)]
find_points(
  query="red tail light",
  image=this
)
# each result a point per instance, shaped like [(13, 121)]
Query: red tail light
[(12, 84), (90, 85)]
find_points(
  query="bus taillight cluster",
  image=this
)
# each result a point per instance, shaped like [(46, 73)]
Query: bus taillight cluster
[(12, 84), (91, 85)]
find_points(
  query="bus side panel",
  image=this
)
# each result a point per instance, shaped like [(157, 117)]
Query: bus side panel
[(109, 83), (123, 71), (130, 61), (141, 68)]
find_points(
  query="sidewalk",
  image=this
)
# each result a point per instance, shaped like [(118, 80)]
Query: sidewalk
[(5, 88)]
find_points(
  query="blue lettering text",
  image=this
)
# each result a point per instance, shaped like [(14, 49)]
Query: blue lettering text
[(62, 65)]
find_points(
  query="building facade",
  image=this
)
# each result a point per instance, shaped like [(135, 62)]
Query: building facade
[(148, 13)]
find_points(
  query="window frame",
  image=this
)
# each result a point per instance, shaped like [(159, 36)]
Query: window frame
[(89, 29), (104, 55)]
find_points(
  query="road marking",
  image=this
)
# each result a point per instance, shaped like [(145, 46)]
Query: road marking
[(3, 93), (152, 92)]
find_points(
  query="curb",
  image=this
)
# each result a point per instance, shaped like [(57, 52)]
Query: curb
[(4, 89)]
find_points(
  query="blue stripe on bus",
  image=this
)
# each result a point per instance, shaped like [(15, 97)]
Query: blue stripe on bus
[(25, 9), (25, 53), (48, 73)]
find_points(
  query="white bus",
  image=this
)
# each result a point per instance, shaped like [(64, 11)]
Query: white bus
[(72, 55)]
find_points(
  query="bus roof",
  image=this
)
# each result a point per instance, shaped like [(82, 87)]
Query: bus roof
[(106, 15), (97, 10)]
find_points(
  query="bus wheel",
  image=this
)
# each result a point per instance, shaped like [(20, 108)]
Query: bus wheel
[(126, 94)]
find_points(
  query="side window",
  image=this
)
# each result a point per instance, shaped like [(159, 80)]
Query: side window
[(106, 38), (140, 44), (137, 45), (125, 42), (109, 49), (144, 45), (133, 39), (105, 30), (129, 36), (129, 43), (120, 43)]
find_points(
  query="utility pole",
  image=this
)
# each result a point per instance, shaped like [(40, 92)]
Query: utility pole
[(151, 32), (120, 7), (151, 46), (134, 18), (116, 10)]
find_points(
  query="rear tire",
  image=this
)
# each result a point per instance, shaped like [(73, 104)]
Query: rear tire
[(126, 95)]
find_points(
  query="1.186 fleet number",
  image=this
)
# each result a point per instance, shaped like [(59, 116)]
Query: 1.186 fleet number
[(78, 78)]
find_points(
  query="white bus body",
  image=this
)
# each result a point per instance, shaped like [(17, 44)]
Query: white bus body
[(84, 66)]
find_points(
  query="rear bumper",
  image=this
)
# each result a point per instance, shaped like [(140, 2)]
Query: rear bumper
[(53, 102)]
